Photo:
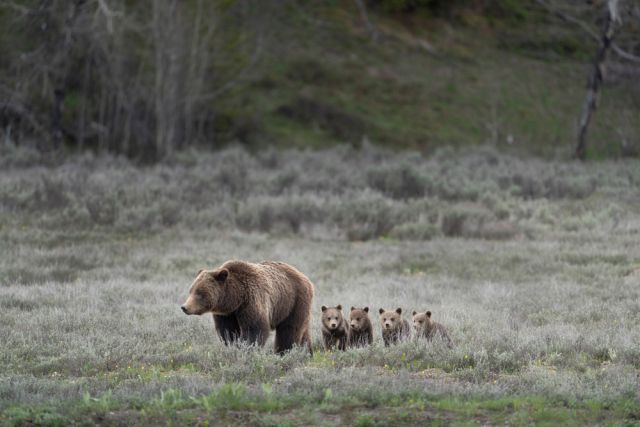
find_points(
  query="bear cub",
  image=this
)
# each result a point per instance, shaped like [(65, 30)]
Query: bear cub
[(425, 327), (361, 330), (335, 329), (394, 327)]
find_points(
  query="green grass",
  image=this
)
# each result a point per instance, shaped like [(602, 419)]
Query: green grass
[(233, 404)]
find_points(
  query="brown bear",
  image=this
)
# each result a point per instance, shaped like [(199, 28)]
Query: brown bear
[(249, 300), (360, 329), (425, 327), (394, 327), (335, 329)]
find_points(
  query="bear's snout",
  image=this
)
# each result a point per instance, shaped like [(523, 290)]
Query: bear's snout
[(387, 325), (333, 325), (184, 309)]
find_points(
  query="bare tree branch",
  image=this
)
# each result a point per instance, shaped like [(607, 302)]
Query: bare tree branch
[(596, 78), (239, 75), (362, 8), (587, 29)]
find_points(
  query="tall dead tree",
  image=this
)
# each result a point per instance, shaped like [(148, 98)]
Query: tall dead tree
[(596, 76)]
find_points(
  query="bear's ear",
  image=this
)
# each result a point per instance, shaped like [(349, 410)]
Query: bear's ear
[(339, 306), (366, 309), (429, 314), (352, 308), (199, 271), (399, 310), (221, 275), (381, 310), (415, 312), (324, 308)]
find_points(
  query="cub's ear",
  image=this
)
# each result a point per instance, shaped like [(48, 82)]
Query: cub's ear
[(324, 308), (399, 310), (381, 310), (339, 306), (366, 309), (352, 308), (429, 314), (415, 312), (199, 271), (221, 275)]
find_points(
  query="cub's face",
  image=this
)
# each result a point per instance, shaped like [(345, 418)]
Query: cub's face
[(331, 317), (358, 318), (421, 320), (389, 319), (206, 292)]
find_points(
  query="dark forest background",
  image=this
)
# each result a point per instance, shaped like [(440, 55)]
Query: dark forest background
[(147, 78)]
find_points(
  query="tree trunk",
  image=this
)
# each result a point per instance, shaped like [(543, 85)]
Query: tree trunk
[(596, 78), (362, 8)]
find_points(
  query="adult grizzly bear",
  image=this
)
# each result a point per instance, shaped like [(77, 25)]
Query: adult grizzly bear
[(249, 300)]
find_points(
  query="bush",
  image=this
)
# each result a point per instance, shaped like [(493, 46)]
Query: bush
[(416, 231), (366, 216), (103, 209), (464, 220), (399, 181)]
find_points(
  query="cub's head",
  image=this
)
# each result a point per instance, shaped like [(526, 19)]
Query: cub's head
[(210, 293), (331, 317), (421, 320), (358, 318), (390, 319)]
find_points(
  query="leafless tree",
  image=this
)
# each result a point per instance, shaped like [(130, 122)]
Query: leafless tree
[(139, 78), (613, 37)]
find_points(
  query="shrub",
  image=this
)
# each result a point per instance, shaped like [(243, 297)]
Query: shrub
[(399, 181), (464, 220), (103, 209), (415, 231), (366, 216)]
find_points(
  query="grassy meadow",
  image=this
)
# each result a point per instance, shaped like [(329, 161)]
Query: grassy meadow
[(532, 264)]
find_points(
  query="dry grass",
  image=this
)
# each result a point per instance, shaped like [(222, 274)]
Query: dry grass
[(89, 299)]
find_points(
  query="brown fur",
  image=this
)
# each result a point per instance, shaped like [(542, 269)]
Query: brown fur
[(249, 300), (335, 329), (394, 327), (361, 330), (425, 327)]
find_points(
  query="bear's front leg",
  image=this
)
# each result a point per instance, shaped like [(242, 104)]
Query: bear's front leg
[(255, 333), (342, 343), (227, 328)]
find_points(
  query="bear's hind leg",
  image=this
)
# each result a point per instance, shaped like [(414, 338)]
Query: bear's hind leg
[(306, 340), (286, 334)]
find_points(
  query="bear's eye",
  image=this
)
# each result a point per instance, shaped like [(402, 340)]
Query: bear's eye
[(421, 321), (358, 319)]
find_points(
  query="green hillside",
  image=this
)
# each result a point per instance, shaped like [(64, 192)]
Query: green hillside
[(307, 74), (427, 82)]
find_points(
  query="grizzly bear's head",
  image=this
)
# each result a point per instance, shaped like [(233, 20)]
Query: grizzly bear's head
[(213, 291), (421, 320), (332, 317), (358, 318), (390, 319)]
